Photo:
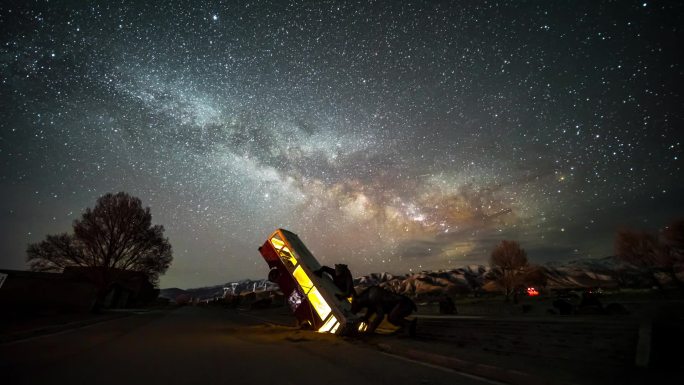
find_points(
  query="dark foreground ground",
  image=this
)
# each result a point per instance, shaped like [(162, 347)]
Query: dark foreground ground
[(194, 345), (211, 344), (534, 350)]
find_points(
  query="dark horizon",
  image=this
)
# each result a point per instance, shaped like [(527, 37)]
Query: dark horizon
[(387, 135)]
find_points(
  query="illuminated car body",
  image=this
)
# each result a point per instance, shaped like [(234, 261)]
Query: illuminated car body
[(311, 298)]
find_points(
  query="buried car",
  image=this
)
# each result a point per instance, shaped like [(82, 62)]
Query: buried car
[(315, 301)]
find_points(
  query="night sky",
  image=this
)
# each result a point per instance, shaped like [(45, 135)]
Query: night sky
[(394, 136)]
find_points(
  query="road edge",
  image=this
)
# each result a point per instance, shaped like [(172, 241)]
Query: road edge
[(54, 329)]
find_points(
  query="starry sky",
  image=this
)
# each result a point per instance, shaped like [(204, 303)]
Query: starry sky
[(394, 136)]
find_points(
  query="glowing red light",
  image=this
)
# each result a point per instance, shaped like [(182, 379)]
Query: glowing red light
[(532, 292)]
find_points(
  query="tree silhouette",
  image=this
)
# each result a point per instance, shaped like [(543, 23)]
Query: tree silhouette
[(672, 239), (509, 261), (638, 248), (116, 235), (663, 252)]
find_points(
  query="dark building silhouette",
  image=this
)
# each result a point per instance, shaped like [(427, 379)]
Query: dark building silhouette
[(117, 288), (76, 289), (29, 292)]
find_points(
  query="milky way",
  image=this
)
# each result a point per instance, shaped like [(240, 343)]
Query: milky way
[(393, 136)]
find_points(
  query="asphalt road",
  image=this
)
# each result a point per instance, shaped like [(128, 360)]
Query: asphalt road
[(206, 346)]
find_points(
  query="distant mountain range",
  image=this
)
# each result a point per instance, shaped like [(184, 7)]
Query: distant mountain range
[(245, 285), (608, 272)]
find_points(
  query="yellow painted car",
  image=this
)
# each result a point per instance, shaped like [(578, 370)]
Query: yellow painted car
[(311, 298)]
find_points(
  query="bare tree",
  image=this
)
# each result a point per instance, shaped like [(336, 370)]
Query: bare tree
[(664, 253), (638, 248), (672, 239), (116, 235), (508, 260)]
